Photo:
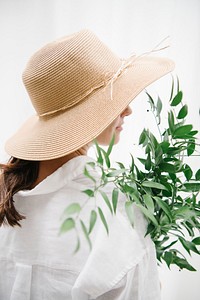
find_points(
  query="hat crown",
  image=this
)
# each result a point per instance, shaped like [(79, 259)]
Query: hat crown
[(64, 72)]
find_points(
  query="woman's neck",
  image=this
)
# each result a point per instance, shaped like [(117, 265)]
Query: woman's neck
[(47, 167)]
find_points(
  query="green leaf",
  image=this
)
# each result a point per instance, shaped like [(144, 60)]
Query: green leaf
[(130, 190), (151, 101), (183, 112), (148, 214), (142, 160), (188, 227), (148, 162), (177, 99), (159, 106), (115, 173), (183, 263), (91, 164), (197, 175), (149, 202), (87, 174), (142, 137), (182, 130), (158, 155), (164, 145), (153, 140), (172, 90), (171, 122), (189, 246), (179, 166), (99, 155), (166, 135), (86, 233), (177, 79), (166, 167), (104, 175), (150, 229), (89, 192), (184, 212), (171, 244), (127, 189), (130, 211), (103, 219), (148, 148), (191, 187), (110, 147), (168, 192), (193, 132), (183, 136), (107, 160), (132, 164), (67, 225), (93, 218), (140, 174), (164, 220), (165, 207), (174, 150), (107, 201), (190, 147), (196, 241), (121, 165), (168, 257), (153, 184), (187, 172), (72, 209), (115, 194)]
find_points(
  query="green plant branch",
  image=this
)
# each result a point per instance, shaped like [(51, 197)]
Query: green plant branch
[(157, 189)]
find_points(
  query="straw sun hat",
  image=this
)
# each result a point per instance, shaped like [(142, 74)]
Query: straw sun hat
[(78, 86)]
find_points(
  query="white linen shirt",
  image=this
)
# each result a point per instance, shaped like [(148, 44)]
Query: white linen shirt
[(36, 263)]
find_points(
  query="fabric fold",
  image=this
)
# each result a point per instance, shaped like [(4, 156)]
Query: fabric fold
[(22, 285)]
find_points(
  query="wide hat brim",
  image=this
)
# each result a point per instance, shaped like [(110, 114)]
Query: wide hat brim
[(56, 136)]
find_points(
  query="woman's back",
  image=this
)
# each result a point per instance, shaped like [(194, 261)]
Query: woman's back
[(38, 263)]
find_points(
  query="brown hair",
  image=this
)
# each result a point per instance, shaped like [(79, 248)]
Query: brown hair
[(16, 175)]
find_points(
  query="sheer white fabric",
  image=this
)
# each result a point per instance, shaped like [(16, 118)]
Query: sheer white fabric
[(38, 264)]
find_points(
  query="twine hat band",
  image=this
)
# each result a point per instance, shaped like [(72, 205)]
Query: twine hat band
[(78, 86)]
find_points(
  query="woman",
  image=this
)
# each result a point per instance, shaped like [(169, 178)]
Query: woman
[(81, 91)]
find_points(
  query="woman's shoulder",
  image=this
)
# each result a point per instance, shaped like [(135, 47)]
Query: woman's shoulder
[(85, 169)]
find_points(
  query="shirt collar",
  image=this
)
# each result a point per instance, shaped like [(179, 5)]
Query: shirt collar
[(67, 172)]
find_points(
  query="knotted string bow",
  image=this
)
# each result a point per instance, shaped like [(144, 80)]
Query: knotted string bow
[(126, 63)]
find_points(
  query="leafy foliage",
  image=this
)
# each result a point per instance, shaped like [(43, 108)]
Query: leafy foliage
[(165, 188)]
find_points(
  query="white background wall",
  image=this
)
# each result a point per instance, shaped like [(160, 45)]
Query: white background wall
[(126, 26)]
